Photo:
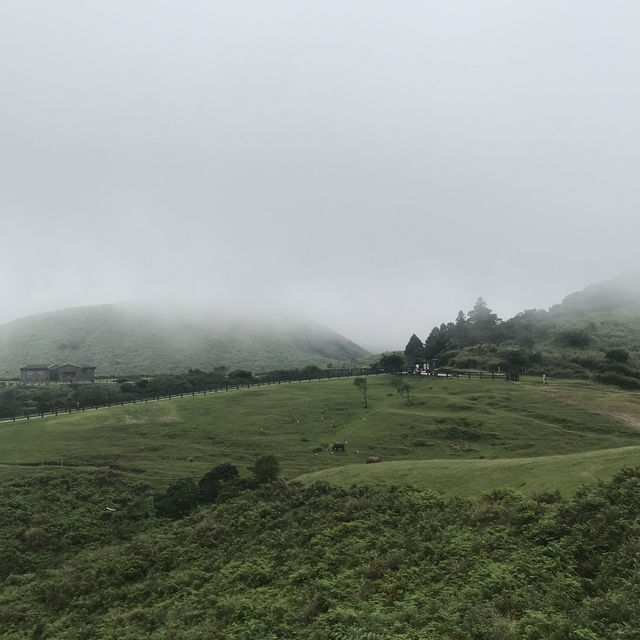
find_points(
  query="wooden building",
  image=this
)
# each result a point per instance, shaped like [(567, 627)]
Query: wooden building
[(57, 373)]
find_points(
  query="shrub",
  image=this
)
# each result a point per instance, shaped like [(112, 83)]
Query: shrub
[(178, 501), (617, 355), (622, 381), (575, 337), (213, 481), (266, 469)]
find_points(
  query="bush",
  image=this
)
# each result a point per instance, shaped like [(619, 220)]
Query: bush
[(622, 381), (213, 481), (620, 368), (178, 501), (587, 362), (576, 337), (266, 469), (617, 355), (393, 362)]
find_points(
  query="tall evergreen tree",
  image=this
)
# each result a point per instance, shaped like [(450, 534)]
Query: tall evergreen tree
[(482, 322), (414, 351), (461, 330)]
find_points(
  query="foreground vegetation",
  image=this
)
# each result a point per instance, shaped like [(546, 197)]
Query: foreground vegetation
[(83, 556)]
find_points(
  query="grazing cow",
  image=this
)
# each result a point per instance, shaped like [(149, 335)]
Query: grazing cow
[(337, 446), (372, 459)]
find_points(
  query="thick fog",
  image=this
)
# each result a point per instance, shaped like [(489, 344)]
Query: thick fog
[(373, 165)]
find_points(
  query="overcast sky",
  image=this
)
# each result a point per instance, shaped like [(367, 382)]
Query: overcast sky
[(374, 165)]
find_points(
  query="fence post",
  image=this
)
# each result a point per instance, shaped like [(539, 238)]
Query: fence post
[(480, 375)]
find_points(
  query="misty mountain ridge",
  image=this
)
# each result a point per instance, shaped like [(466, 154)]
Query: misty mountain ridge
[(617, 293), (130, 338)]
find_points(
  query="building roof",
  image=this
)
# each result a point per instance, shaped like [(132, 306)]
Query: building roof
[(41, 367), (28, 367), (77, 366)]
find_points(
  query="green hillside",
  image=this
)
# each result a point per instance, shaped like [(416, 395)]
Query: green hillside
[(594, 333), (443, 420), (128, 339), (471, 478)]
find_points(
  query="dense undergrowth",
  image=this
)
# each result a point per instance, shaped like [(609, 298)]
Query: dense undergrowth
[(285, 561)]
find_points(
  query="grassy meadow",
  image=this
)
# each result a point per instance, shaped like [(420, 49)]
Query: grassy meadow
[(458, 436)]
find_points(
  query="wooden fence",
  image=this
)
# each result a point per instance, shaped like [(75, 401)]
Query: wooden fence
[(483, 375), (329, 374)]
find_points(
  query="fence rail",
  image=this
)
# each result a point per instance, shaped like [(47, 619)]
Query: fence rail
[(302, 377), (483, 375)]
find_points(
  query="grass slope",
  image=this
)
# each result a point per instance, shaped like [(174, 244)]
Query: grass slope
[(469, 478), (464, 436), (127, 339)]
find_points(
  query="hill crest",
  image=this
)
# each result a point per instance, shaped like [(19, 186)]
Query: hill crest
[(129, 338)]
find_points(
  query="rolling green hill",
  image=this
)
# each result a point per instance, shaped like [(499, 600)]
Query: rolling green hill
[(594, 333), (127, 339), (447, 434)]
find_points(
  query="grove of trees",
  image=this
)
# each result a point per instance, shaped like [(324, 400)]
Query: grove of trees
[(559, 343)]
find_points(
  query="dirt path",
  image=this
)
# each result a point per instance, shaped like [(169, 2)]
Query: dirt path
[(613, 406)]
